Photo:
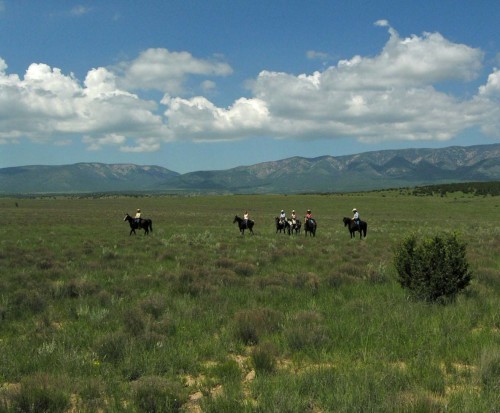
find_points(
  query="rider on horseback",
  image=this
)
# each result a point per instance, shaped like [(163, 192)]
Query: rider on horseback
[(355, 218), (137, 217), (246, 218), (308, 216), (293, 217), (282, 216)]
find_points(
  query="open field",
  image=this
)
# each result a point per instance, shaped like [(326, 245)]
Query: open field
[(197, 318)]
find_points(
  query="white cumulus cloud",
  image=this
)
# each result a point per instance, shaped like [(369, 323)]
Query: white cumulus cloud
[(394, 95), (161, 69)]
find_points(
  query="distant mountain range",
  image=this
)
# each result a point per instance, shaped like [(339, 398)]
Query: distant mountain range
[(360, 172)]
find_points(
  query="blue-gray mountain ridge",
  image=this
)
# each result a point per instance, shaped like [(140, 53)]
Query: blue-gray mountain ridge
[(359, 172)]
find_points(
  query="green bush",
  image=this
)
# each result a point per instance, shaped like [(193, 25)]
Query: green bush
[(434, 269)]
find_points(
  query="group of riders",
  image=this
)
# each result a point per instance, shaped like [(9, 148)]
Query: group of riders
[(282, 217), (293, 217)]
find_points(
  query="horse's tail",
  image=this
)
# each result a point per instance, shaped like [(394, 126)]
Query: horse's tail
[(365, 229), (151, 225)]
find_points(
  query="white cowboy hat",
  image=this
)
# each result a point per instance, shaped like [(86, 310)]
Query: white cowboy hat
[(354, 209)]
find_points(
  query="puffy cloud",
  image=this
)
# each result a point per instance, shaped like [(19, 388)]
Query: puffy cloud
[(160, 69), (47, 105), (492, 87), (199, 119), (488, 103), (390, 96)]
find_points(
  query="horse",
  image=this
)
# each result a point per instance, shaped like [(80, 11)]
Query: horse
[(353, 227), (295, 227), (284, 226), (310, 226), (145, 224), (244, 225)]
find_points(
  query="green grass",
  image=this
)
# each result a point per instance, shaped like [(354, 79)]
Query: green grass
[(196, 316)]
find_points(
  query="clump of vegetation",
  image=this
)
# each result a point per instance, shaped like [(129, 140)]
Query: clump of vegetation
[(434, 269), (38, 393), (111, 347), (264, 357), (307, 331), (489, 369), (157, 394), (252, 324)]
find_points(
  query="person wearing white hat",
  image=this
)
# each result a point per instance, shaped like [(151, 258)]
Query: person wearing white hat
[(355, 217), (282, 216)]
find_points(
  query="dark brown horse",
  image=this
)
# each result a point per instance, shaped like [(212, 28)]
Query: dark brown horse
[(282, 225), (243, 225), (141, 223), (353, 227), (310, 226)]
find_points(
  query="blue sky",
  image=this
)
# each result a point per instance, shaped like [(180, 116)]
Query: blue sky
[(205, 85)]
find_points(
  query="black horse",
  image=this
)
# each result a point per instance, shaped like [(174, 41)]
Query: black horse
[(295, 227), (145, 224), (284, 226), (244, 225), (310, 226), (353, 227)]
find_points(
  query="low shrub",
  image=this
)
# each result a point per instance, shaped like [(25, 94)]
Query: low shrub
[(154, 394), (76, 288), (264, 357), (38, 394), (111, 347), (153, 305), (307, 331), (29, 301), (245, 269), (252, 324), (434, 269), (135, 321)]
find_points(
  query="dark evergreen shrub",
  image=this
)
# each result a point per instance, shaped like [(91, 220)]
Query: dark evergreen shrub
[(434, 269)]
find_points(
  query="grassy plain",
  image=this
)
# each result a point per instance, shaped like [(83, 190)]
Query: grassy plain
[(197, 318)]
